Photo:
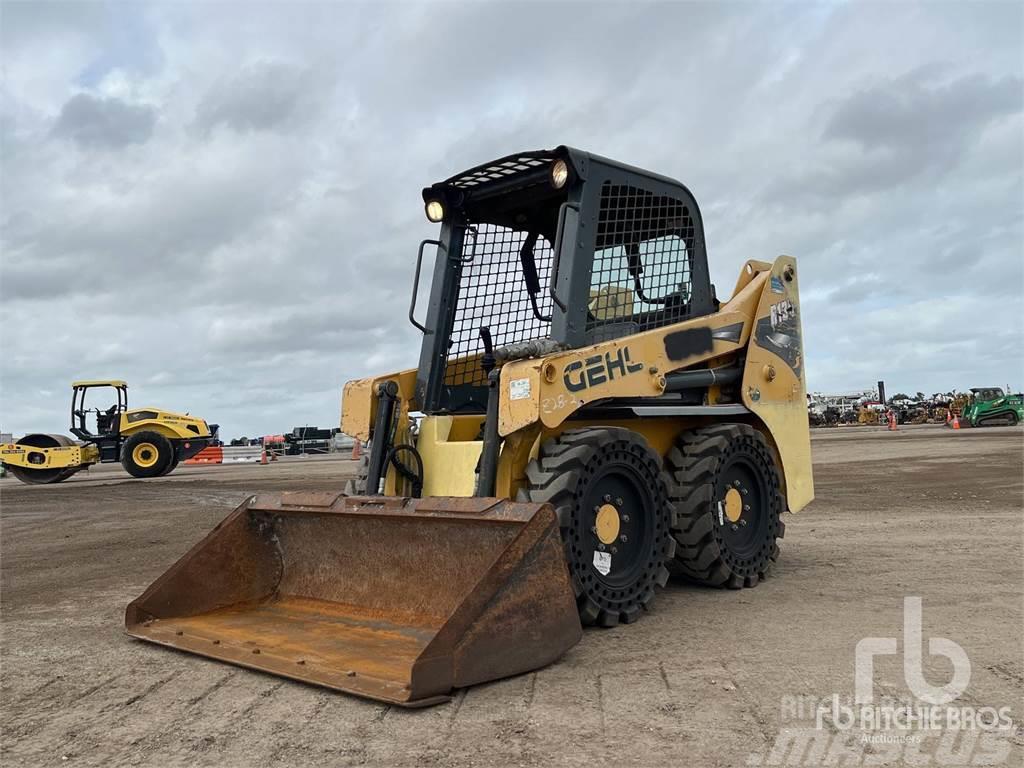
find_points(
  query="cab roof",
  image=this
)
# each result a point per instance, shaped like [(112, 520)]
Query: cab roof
[(99, 383), (531, 167)]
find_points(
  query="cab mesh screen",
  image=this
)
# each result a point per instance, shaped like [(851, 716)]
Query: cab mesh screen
[(641, 274), (492, 293)]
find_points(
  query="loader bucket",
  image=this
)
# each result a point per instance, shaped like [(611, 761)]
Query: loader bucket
[(394, 599)]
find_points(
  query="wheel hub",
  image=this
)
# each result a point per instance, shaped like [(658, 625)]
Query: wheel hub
[(616, 536), (733, 505), (608, 523), (145, 454), (742, 518)]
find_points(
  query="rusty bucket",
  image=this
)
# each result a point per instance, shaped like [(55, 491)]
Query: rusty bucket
[(394, 599)]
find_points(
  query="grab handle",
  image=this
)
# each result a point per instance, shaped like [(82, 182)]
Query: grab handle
[(416, 282)]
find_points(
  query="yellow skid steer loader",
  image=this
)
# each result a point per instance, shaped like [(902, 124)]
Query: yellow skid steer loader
[(586, 417)]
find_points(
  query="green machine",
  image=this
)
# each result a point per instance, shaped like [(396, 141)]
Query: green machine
[(990, 406)]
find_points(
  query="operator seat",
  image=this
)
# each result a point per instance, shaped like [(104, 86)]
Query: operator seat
[(105, 420)]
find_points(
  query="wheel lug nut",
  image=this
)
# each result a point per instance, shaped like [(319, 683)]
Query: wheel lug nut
[(745, 491), (596, 509), (615, 551), (625, 518), (618, 502), (746, 507), (736, 483), (600, 547), (593, 529), (623, 538), (607, 498), (734, 527), (742, 522)]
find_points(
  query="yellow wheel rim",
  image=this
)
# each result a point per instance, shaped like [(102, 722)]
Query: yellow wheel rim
[(733, 505), (607, 524), (145, 455)]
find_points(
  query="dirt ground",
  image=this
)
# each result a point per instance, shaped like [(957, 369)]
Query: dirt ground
[(706, 678)]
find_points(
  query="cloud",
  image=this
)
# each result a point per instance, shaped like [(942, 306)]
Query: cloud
[(223, 208), (887, 134), (105, 123), (263, 96), (909, 113)]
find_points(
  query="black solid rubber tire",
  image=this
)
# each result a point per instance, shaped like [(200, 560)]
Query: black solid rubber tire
[(165, 454), (171, 466), (561, 475), (696, 463)]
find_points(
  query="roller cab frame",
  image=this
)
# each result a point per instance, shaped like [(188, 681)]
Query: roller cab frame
[(586, 416)]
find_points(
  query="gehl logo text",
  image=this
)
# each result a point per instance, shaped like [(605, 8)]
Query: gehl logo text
[(598, 369)]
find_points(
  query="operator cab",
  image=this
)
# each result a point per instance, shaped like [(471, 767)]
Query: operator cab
[(108, 420), (551, 249), (985, 394)]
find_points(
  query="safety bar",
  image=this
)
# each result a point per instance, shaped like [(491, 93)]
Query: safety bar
[(416, 282), (553, 290)]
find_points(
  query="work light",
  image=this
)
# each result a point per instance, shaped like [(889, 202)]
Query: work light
[(435, 211), (559, 174)]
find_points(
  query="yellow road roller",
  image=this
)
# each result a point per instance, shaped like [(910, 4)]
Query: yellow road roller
[(587, 417), (148, 442)]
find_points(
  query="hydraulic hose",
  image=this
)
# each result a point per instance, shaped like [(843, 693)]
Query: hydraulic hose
[(415, 478)]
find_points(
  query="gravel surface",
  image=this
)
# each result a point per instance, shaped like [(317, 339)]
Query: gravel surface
[(706, 678)]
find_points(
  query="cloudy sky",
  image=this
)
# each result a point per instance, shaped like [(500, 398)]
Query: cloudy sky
[(221, 203)]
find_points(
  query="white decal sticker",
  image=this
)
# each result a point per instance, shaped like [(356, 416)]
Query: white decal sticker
[(603, 562), (553, 404), (721, 516), (782, 312), (519, 389)]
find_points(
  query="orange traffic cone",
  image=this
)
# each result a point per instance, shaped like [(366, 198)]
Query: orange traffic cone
[(892, 422), (956, 421), (263, 456), (357, 449)]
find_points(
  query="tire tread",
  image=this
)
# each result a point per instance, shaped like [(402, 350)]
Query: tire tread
[(693, 463)]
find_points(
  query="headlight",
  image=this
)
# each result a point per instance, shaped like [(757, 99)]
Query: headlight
[(559, 174), (435, 211)]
